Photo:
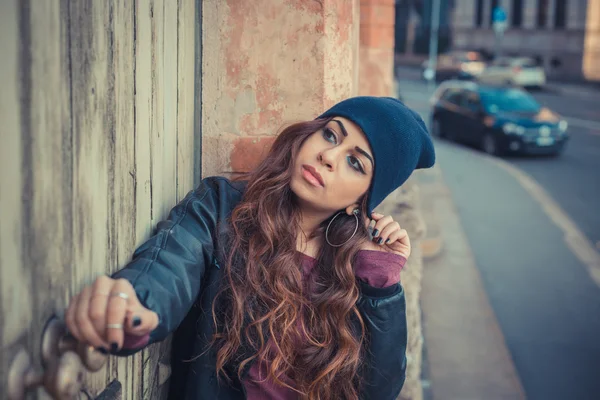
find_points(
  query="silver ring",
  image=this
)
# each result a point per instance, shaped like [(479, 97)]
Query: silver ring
[(120, 294), (114, 326)]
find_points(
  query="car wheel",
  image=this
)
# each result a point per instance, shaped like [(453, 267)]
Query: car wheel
[(489, 144), (436, 128)]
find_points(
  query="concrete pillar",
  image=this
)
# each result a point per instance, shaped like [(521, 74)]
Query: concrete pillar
[(551, 11), (530, 14), (591, 55), (266, 63), (487, 11), (376, 56)]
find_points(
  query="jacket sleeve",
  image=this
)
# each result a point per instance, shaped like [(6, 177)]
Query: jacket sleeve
[(167, 270), (384, 313)]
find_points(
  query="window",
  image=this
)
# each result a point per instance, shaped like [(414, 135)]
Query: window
[(453, 96), (508, 100), (471, 102), (479, 13), (494, 5), (560, 14), (517, 13), (542, 13)]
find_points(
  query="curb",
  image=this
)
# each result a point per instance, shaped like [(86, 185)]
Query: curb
[(431, 188)]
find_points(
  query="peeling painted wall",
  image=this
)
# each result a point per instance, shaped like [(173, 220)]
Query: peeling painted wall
[(267, 63), (376, 57)]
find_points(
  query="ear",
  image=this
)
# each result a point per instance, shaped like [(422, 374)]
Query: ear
[(351, 209)]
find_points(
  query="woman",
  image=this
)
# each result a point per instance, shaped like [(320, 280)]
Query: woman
[(275, 288)]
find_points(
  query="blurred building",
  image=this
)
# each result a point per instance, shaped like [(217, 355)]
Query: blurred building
[(413, 26), (563, 35)]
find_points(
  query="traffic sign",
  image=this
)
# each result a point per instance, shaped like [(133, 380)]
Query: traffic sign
[(499, 15)]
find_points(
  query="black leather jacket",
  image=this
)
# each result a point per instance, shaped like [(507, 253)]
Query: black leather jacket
[(176, 273)]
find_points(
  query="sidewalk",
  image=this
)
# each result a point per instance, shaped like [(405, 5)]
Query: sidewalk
[(591, 89), (466, 355)]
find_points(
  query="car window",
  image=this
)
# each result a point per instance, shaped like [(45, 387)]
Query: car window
[(471, 101), (508, 100), (453, 96), (501, 63), (528, 63)]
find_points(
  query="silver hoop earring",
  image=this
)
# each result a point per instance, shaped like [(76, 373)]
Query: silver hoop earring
[(355, 213)]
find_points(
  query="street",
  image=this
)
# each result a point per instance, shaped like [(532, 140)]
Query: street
[(532, 224)]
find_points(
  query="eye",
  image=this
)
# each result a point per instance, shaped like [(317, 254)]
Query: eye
[(329, 135), (355, 164)]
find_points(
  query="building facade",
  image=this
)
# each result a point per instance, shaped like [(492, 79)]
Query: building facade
[(563, 35)]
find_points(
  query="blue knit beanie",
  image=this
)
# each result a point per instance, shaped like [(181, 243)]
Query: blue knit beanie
[(398, 138)]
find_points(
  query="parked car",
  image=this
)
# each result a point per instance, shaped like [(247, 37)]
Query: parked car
[(519, 71), (498, 119), (457, 64)]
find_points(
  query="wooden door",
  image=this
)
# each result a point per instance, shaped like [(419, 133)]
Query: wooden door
[(97, 144)]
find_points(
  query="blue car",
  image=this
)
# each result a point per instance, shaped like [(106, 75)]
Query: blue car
[(497, 119)]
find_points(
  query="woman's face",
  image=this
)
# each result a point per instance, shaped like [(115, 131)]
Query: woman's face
[(333, 168)]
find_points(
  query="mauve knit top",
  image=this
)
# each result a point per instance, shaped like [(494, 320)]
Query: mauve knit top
[(376, 268)]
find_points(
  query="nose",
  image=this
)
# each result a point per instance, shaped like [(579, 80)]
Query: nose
[(328, 157)]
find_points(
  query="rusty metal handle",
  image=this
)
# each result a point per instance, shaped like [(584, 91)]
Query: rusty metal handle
[(22, 376), (63, 359), (56, 341)]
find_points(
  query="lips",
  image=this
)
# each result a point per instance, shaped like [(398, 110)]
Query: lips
[(311, 172)]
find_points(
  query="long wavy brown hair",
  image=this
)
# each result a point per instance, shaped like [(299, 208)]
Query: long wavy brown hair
[(312, 340)]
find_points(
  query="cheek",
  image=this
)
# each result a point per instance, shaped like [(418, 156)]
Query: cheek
[(351, 186)]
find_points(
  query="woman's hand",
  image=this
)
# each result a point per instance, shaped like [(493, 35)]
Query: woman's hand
[(387, 236), (103, 312)]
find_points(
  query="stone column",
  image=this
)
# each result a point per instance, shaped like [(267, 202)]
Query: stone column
[(266, 63), (376, 59), (530, 14), (487, 11), (551, 12), (591, 55)]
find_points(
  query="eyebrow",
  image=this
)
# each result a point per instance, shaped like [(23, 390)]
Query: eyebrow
[(364, 153), (342, 127)]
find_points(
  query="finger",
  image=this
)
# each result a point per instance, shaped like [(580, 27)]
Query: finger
[(70, 318), (141, 321), (381, 223), (387, 231), (376, 216), (99, 302), (394, 237), (399, 241), (118, 301), (82, 318), (404, 238)]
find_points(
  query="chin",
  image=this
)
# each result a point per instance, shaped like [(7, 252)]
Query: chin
[(306, 196)]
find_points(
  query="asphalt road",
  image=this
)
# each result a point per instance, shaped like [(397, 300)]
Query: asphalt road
[(546, 304)]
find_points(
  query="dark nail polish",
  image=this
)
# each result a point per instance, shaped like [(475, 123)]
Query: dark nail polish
[(380, 241), (375, 232), (387, 241), (114, 347), (102, 350), (137, 321)]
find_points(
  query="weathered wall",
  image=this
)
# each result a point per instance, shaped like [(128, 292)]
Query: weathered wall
[(268, 63), (376, 57), (97, 111)]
